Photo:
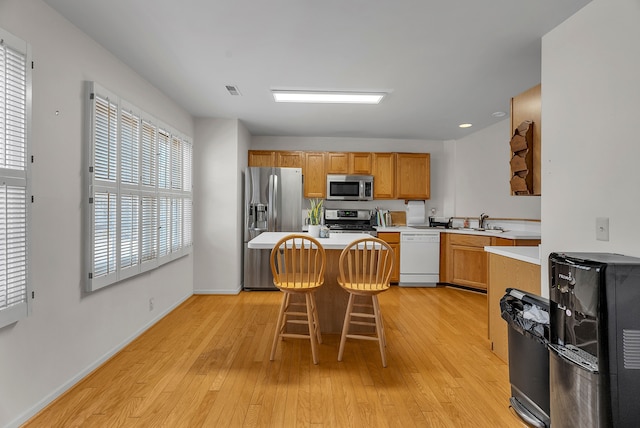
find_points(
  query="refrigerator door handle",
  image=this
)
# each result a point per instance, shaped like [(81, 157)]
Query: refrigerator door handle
[(272, 210)]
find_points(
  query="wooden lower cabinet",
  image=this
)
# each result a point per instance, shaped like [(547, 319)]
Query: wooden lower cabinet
[(468, 260), (463, 260), (505, 272), (393, 239)]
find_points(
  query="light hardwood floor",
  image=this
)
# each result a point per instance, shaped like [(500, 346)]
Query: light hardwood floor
[(207, 364)]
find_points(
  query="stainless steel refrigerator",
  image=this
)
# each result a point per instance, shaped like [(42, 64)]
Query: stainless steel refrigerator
[(272, 203)]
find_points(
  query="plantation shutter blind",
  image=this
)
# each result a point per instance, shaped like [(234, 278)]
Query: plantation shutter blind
[(138, 213), (148, 180), (105, 190), (14, 106)]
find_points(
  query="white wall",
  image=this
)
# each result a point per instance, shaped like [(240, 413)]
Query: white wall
[(70, 332), (590, 98), (482, 174), (220, 157)]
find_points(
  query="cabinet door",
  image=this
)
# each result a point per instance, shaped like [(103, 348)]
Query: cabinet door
[(337, 163), (463, 260), (446, 269), (384, 178), (393, 238), (315, 178), (469, 266), (360, 163), (262, 158), (413, 179), (286, 159)]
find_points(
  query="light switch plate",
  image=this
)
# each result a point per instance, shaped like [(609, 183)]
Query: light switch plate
[(602, 228)]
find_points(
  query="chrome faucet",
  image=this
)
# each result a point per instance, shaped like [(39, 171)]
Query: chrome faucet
[(483, 217)]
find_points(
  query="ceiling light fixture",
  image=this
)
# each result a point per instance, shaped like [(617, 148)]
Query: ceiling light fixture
[(327, 97), (498, 114), (465, 125)]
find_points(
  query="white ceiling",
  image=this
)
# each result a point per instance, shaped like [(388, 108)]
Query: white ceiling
[(443, 62)]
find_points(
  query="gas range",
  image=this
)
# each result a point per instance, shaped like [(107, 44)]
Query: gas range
[(349, 221)]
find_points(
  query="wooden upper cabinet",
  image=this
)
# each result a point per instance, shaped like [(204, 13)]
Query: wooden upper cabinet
[(395, 175), (383, 167), (262, 158), (360, 163), (413, 176), (286, 159), (355, 163), (315, 177), (337, 162)]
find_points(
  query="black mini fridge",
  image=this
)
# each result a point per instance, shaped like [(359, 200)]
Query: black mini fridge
[(594, 344)]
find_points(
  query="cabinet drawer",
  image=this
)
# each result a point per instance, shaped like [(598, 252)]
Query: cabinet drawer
[(469, 240), (390, 237)]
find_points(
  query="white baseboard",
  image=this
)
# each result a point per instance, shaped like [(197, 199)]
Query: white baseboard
[(224, 291), (31, 412)]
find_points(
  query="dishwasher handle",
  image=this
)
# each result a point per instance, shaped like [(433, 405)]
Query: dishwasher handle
[(420, 237)]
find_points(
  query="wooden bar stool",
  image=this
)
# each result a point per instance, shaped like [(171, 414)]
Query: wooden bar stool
[(298, 263), (365, 269)]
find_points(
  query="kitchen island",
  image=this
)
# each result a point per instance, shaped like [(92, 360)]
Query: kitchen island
[(330, 298)]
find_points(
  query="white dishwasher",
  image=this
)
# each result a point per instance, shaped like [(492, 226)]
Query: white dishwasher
[(419, 258)]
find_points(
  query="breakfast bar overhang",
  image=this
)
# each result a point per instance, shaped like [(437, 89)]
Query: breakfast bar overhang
[(331, 298)]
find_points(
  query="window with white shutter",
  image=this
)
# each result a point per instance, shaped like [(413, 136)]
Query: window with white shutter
[(149, 229), (15, 105), (149, 154), (164, 159), (164, 226), (139, 182), (130, 144)]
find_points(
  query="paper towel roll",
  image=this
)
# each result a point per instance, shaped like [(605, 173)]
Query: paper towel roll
[(415, 212)]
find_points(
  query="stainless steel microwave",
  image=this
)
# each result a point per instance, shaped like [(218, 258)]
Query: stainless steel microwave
[(349, 187)]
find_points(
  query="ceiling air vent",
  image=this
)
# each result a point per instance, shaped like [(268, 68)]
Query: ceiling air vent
[(232, 89)]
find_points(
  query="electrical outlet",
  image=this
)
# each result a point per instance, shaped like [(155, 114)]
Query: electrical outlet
[(602, 228), (151, 302)]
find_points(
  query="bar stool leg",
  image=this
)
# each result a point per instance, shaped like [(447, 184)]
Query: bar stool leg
[(312, 334), (345, 325), (279, 325), (379, 329), (316, 318)]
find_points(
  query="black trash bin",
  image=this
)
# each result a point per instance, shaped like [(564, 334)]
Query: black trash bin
[(527, 316)]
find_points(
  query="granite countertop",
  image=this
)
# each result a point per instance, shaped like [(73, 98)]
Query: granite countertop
[(397, 229), (509, 234), (336, 241), (524, 254)]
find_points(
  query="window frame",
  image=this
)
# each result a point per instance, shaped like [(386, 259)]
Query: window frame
[(148, 158), (21, 178)]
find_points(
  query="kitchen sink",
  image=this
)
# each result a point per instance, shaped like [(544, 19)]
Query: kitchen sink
[(421, 227)]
